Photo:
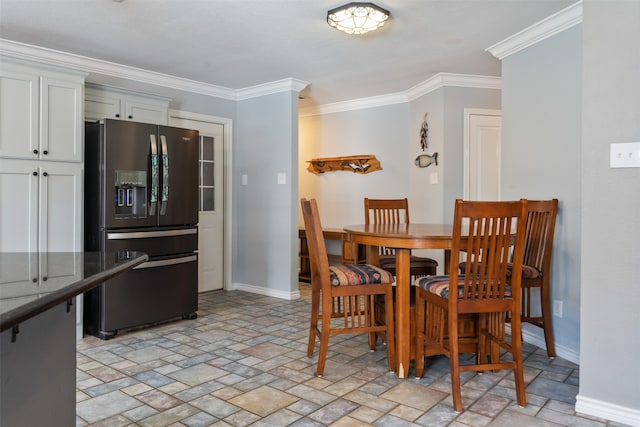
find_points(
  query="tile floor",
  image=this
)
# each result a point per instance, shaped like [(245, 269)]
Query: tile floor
[(243, 362)]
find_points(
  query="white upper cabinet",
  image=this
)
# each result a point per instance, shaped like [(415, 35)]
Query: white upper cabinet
[(112, 103), (40, 114), (40, 206)]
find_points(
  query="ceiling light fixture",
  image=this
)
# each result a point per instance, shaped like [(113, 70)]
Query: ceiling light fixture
[(357, 17)]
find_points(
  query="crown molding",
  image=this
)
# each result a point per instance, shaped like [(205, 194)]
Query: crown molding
[(548, 27), (69, 61), (354, 104), (50, 57), (433, 83), (453, 80), (289, 84)]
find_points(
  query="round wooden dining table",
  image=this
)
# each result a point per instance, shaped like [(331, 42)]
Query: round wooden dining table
[(403, 238)]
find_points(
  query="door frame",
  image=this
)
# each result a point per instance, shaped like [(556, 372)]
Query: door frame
[(468, 112), (227, 244)]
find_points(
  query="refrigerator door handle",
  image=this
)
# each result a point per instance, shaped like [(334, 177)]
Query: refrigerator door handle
[(165, 262), (153, 200), (165, 176), (149, 234)]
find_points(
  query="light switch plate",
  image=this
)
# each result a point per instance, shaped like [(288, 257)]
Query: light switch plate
[(625, 155), (282, 178)]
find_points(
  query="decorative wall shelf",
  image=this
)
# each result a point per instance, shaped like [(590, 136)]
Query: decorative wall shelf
[(357, 164)]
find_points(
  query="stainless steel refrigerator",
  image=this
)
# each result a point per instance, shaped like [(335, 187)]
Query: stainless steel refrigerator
[(141, 194)]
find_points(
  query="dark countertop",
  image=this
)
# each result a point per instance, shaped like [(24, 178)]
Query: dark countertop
[(31, 283)]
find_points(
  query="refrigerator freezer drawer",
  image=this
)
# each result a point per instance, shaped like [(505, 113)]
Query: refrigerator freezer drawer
[(154, 243), (143, 297), (166, 262)]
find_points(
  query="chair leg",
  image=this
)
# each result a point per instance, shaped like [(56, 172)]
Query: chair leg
[(419, 338), (518, 370), (313, 323), (454, 360), (324, 344), (545, 302)]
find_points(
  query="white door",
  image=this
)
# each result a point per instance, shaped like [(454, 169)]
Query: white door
[(482, 154), (211, 218)]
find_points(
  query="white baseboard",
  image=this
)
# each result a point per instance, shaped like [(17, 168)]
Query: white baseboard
[(265, 291), (608, 411), (534, 335)]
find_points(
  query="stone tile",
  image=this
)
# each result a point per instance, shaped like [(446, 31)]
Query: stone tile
[(263, 401), (490, 405), (158, 400), (414, 395), (283, 417), (243, 362), (166, 418), (512, 418), (197, 374), (105, 406), (214, 406), (333, 411), (554, 390)]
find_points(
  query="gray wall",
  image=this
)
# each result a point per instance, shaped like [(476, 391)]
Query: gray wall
[(392, 134), (380, 131), (265, 212), (456, 99), (610, 342), (541, 137)]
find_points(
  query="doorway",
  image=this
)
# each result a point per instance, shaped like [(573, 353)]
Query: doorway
[(482, 145), (214, 226)]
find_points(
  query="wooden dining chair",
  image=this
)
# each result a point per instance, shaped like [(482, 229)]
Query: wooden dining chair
[(487, 293), (395, 211), (536, 268), (354, 286)]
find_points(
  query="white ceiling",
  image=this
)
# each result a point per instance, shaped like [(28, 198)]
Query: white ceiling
[(242, 43)]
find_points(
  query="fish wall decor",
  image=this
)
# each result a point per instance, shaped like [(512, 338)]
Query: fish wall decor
[(424, 160)]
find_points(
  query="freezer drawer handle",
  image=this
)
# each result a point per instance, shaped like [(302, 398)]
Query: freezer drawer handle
[(165, 262), (165, 175), (155, 178), (148, 234)]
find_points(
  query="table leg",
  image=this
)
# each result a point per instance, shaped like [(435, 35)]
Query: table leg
[(403, 335)]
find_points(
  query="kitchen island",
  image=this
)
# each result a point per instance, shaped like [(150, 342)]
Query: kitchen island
[(37, 330)]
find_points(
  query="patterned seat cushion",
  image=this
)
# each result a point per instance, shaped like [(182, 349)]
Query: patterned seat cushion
[(358, 274), (528, 272), (439, 285)]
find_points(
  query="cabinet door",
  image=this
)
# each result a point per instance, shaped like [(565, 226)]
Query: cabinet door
[(98, 107), (60, 208), (145, 112), (61, 124), (18, 206), (18, 115)]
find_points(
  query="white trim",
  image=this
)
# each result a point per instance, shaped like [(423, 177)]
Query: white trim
[(431, 84), (354, 104), (228, 187), (69, 61), (265, 291), (608, 411), (31, 53), (548, 27), (283, 85)]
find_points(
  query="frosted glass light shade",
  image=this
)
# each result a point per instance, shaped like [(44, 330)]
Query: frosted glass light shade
[(357, 18)]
